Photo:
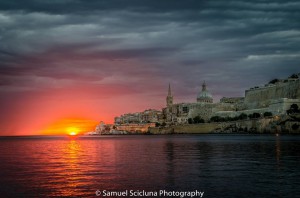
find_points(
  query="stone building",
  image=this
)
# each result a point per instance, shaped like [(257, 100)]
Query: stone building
[(265, 96), (273, 97), (147, 116), (232, 100), (203, 107)]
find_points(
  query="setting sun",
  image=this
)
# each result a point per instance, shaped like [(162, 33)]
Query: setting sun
[(71, 126), (72, 131)]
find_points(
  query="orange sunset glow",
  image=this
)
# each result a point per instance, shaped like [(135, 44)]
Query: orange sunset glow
[(71, 126)]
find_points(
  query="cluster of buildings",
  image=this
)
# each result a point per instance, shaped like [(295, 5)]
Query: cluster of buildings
[(275, 97), (147, 116)]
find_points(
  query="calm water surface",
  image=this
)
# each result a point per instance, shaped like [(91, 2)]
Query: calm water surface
[(219, 165)]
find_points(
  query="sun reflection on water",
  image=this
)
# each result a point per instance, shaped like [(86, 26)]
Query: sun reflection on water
[(81, 163), (77, 167)]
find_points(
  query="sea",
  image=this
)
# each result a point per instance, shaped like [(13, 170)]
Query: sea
[(215, 165)]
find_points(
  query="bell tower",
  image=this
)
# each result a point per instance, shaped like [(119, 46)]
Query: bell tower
[(169, 98)]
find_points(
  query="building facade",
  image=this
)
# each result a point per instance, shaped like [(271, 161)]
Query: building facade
[(273, 97), (147, 116), (181, 112)]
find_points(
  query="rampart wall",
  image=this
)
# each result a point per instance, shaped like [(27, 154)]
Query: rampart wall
[(142, 128), (262, 96), (264, 125)]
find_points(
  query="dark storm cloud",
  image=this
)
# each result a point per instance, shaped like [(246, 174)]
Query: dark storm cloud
[(182, 42), (66, 6)]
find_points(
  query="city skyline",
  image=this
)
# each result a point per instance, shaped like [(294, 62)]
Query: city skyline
[(67, 63)]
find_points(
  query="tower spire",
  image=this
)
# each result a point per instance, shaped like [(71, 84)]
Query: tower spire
[(169, 98), (169, 91)]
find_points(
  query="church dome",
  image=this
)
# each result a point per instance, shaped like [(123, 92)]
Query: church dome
[(204, 95)]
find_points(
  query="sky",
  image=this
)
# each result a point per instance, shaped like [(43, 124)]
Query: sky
[(66, 63)]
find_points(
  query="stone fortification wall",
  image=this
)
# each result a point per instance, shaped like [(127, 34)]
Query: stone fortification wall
[(142, 128), (262, 96), (188, 129), (274, 124), (232, 100), (280, 106), (224, 107), (204, 112), (194, 128), (276, 107)]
